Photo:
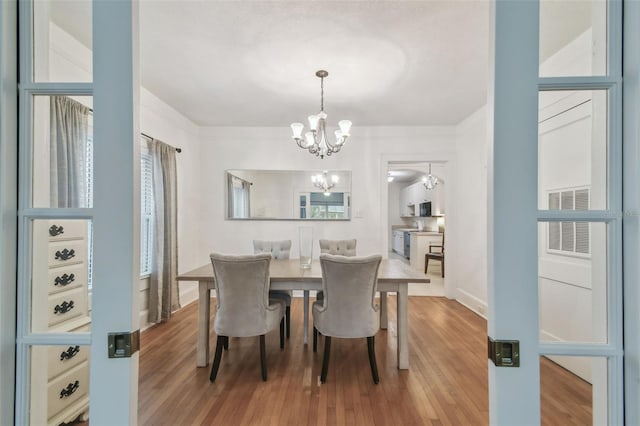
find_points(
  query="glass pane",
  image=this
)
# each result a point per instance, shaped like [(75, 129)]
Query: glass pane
[(62, 41), (572, 150), (60, 275), (573, 390), (59, 388), (62, 147), (573, 282), (573, 38)]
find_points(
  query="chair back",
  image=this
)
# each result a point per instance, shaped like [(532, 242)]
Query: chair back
[(349, 285), (339, 247), (278, 249), (242, 287)]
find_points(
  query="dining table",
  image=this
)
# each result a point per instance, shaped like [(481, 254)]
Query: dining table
[(394, 276)]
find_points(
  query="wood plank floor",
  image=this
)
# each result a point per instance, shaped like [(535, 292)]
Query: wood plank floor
[(445, 385)]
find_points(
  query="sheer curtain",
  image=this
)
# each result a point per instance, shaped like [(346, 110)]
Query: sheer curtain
[(239, 190), (69, 125), (163, 290)]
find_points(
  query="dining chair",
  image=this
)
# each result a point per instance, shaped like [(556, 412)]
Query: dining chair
[(243, 308), (348, 309), (435, 255), (278, 250), (338, 247)]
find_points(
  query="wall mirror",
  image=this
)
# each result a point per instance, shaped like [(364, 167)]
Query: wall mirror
[(288, 194)]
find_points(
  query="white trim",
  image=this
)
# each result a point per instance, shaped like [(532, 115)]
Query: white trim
[(8, 206), (631, 207)]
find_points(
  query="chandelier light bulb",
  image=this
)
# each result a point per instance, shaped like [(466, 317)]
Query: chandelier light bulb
[(297, 128)]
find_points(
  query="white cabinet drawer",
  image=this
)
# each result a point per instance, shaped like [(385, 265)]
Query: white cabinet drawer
[(67, 229), (67, 252), (64, 358), (67, 277), (66, 389), (67, 305)]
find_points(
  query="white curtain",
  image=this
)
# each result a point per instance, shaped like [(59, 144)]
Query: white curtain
[(240, 196), (164, 296), (68, 152)]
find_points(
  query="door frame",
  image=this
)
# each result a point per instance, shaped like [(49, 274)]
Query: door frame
[(8, 203), (115, 213), (514, 393)]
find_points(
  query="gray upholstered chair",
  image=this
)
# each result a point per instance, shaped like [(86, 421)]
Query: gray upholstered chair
[(243, 308), (339, 247), (348, 309), (278, 250)]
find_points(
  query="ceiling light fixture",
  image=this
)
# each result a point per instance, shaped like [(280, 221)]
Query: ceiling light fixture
[(315, 140), (322, 181), (430, 181)]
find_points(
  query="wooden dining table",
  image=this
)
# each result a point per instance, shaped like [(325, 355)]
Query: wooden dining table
[(393, 276)]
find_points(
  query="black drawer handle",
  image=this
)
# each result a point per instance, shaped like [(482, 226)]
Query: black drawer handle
[(63, 308), (65, 254), (64, 280), (70, 353), (56, 230), (70, 389)]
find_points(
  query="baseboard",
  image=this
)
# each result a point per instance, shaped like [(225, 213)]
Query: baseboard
[(472, 303)]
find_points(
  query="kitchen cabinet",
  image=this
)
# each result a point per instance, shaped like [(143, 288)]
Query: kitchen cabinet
[(420, 246), (398, 242)]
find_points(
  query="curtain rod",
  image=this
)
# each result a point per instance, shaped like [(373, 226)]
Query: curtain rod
[(178, 150)]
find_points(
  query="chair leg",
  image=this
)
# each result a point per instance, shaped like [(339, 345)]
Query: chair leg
[(263, 358), (226, 343), (282, 334), (288, 317), (325, 359), (216, 359), (426, 263), (371, 346), (442, 266), (315, 339)]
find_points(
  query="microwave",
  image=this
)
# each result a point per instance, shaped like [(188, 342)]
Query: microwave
[(425, 209)]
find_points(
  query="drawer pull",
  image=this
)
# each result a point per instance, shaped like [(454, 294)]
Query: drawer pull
[(63, 308), (70, 389), (56, 230), (64, 280), (69, 353), (65, 254)]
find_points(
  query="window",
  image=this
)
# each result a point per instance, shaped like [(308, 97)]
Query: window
[(569, 237), (146, 210), (323, 206)]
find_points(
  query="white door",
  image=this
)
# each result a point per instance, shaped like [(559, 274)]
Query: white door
[(555, 205), (78, 213)]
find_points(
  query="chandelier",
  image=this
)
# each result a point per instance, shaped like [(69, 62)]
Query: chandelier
[(430, 181), (315, 140), (322, 181)]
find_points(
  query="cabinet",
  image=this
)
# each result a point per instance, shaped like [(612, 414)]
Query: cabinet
[(398, 242), (420, 246), (59, 374)]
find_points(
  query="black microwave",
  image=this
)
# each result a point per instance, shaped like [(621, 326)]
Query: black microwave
[(425, 209)]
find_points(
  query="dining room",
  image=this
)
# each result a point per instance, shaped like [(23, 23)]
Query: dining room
[(241, 177)]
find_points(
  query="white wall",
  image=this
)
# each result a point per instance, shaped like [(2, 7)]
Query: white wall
[(365, 154), (469, 215)]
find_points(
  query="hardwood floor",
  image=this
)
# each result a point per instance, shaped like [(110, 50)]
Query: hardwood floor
[(445, 385)]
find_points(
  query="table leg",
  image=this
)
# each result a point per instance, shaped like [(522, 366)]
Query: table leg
[(383, 310), (204, 312), (306, 316), (403, 332)]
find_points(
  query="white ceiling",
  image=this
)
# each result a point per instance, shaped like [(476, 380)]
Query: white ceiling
[(253, 63)]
